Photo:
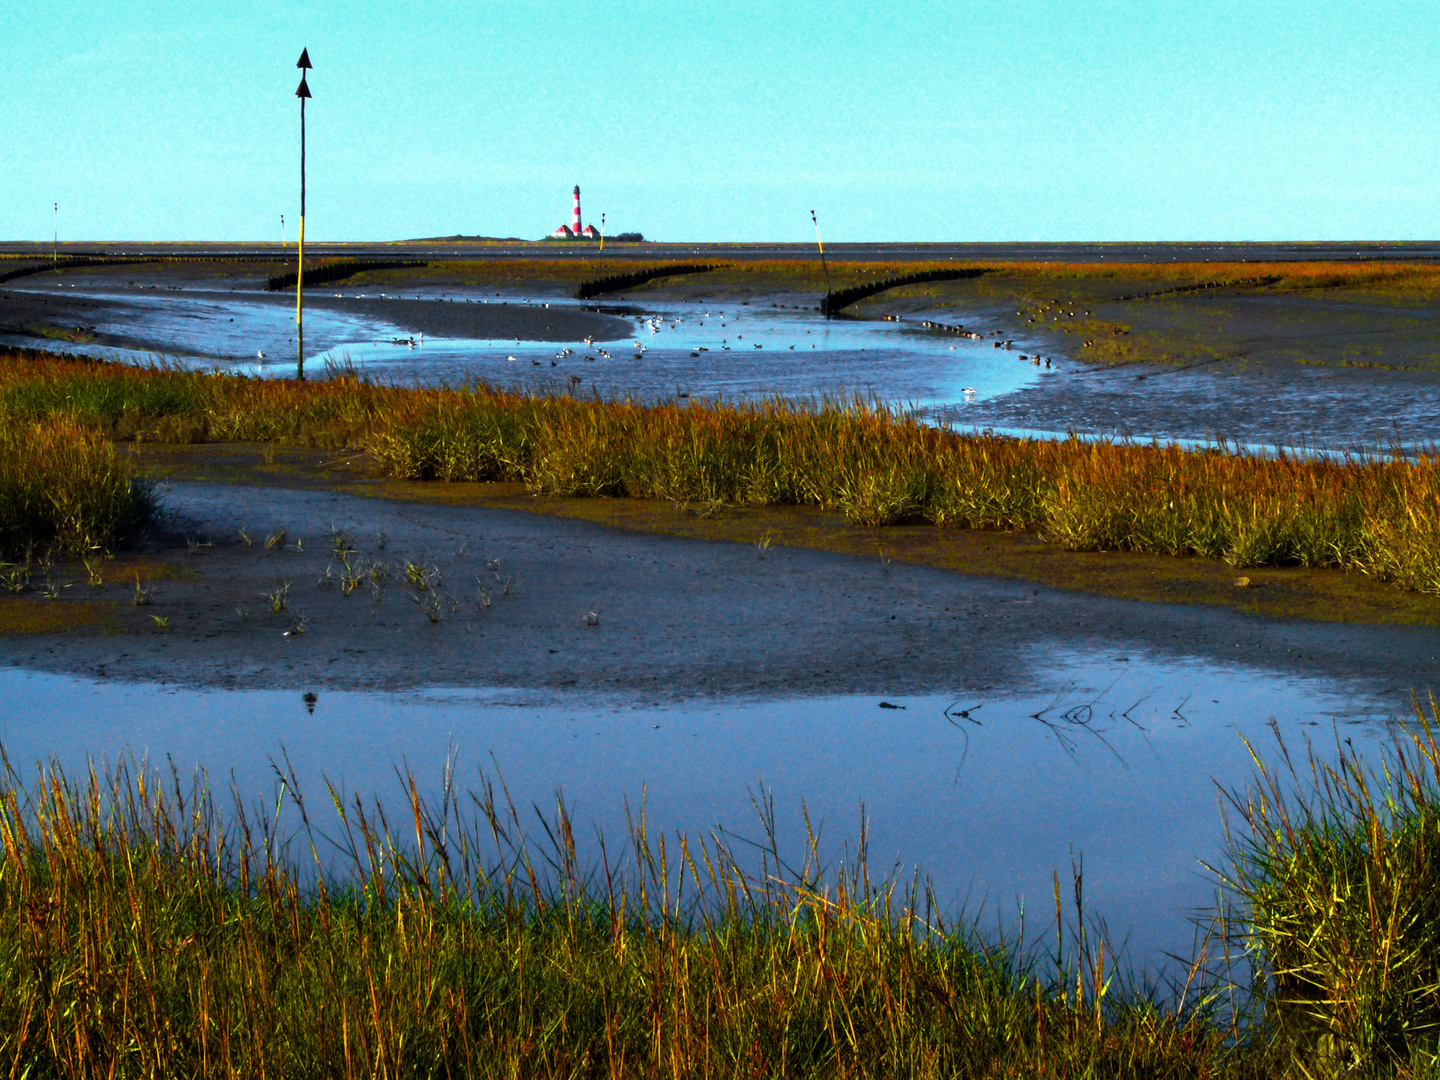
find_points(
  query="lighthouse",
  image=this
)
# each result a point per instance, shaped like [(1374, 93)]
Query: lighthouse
[(574, 231)]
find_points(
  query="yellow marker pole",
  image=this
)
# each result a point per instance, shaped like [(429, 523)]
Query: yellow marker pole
[(823, 263), (302, 93), (602, 234), (300, 306)]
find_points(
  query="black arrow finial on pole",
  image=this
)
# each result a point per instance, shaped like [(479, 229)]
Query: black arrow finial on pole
[(303, 93)]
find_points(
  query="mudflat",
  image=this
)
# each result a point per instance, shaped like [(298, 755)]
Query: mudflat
[(525, 600)]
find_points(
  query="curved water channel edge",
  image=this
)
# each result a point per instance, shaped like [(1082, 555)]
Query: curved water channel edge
[(1121, 759)]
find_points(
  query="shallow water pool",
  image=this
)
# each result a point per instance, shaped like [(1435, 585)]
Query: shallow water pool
[(1118, 761)]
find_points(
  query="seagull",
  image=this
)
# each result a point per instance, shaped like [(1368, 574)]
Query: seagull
[(261, 355), (510, 358)]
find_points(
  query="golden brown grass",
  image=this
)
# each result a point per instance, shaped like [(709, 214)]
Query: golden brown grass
[(150, 929), (880, 466)]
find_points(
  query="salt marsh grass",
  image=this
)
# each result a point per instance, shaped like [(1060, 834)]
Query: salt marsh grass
[(1336, 864), (61, 486), (149, 927), (1372, 513)]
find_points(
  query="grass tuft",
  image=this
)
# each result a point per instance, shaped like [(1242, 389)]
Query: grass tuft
[(1337, 867)]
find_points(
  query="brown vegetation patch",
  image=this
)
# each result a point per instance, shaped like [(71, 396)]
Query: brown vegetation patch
[(24, 615)]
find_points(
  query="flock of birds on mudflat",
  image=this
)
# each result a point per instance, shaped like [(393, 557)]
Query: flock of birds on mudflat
[(658, 323)]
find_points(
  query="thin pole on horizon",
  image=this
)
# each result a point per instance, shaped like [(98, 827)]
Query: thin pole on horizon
[(55, 251), (602, 232), (302, 92), (283, 241), (823, 263)]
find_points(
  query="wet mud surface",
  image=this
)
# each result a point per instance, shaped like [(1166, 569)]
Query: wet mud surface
[(673, 618), (199, 322)]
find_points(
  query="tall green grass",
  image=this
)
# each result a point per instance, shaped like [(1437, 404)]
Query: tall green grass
[(149, 929), (1336, 865), (1373, 514), (62, 489)]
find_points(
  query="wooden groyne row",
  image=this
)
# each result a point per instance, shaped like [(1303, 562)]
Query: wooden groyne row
[(616, 282), (843, 298), (1234, 283), (335, 271), (67, 264)]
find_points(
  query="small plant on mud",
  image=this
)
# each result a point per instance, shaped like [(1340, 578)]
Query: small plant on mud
[(378, 572), (382, 538), (15, 576), (50, 590), (884, 561), (141, 595), (762, 546), (327, 578), (422, 580), (351, 577), (507, 581), (482, 594), (275, 541), (300, 626), (94, 571), (278, 598), (429, 605), (195, 545), (243, 536), (591, 618), (341, 542), (242, 611), (162, 622)]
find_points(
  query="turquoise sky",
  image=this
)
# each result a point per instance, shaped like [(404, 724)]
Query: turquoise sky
[(690, 121)]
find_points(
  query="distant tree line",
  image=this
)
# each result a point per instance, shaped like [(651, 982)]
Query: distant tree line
[(618, 238)]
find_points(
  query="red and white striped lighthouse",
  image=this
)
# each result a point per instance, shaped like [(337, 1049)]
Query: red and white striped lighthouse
[(575, 218)]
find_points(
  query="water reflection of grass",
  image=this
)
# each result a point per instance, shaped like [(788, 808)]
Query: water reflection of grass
[(879, 466), (148, 926)]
